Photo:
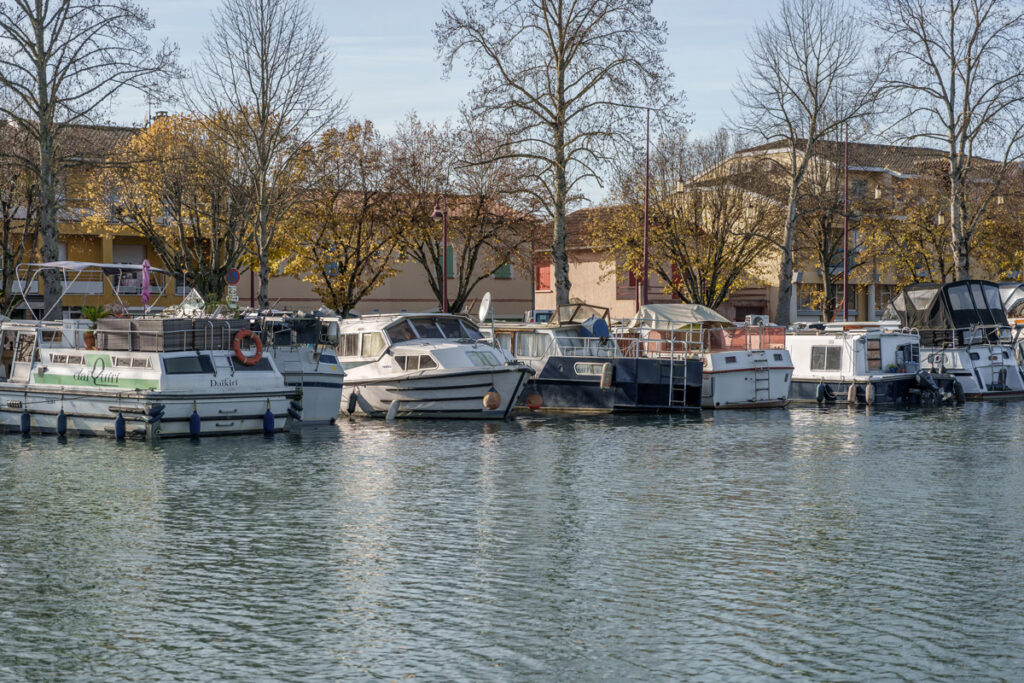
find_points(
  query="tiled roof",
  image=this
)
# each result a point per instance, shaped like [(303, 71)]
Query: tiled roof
[(903, 160), (578, 226), (86, 143)]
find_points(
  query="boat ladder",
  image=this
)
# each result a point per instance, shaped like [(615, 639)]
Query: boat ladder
[(762, 379), (674, 374)]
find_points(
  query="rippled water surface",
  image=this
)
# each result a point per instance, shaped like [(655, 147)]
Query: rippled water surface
[(786, 544)]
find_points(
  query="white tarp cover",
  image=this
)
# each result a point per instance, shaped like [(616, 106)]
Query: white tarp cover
[(673, 316), (83, 265)]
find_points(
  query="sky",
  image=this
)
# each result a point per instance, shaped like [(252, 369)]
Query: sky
[(385, 63)]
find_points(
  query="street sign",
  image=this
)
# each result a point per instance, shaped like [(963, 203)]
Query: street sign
[(232, 294), (232, 277)]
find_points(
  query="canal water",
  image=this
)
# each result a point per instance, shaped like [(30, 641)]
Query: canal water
[(830, 544)]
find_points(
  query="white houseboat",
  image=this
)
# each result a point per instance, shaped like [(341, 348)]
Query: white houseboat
[(304, 348), (872, 363), (744, 366), (431, 365), (138, 377), (964, 332), (582, 367)]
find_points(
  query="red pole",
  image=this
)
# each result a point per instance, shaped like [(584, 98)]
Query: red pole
[(252, 289), (846, 222), (647, 204), (444, 255)]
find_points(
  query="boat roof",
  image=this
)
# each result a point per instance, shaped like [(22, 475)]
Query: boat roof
[(677, 315), (78, 266), (949, 306), (378, 321)]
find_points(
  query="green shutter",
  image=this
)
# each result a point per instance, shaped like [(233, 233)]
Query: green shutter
[(503, 272)]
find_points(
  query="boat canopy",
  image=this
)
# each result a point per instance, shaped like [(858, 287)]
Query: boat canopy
[(79, 266), (1013, 298), (676, 316), (937, 309)]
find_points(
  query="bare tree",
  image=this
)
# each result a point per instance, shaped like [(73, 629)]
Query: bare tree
[(712, 231), (19, 233), (807, 80), (61, 62), (958, 66), (489, 224), (264, 79), (552, 73)]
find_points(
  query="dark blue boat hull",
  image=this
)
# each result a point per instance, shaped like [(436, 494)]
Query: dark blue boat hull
[(638, 385)]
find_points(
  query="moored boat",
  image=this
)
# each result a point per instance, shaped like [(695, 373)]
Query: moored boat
[(965, 333), (744, 366), (582, 367), (429, 365), (871, 363)]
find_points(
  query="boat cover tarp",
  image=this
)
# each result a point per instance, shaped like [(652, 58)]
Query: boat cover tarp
[(936, 310), (1013, 298), (77, 266), (677, 316)]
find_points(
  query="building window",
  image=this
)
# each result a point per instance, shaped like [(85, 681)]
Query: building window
[(504, 272), (543, 277), (858, 189), (807, 296)]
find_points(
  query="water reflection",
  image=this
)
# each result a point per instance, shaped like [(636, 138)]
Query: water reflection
[(826, 543)]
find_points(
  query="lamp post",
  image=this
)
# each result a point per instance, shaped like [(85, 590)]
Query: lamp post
[(846, 221), (441, 214), (647, 205)]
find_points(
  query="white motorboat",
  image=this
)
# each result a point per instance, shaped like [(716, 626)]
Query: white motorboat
[(857, 362), (426, 365), (582, 367), (304, 350), (964, 332), (141, 377), (745, 366)]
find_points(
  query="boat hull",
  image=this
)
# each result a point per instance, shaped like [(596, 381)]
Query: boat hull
[(746, 379), (898, 390), (993, 375), (637, 385), (146, 415), (447, 394)]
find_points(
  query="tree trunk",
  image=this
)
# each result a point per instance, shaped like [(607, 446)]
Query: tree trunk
[(559, 257), (48, 227), (785, 296), (961, 253)]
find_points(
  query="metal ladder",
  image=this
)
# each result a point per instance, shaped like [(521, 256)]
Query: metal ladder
[(762, 379)]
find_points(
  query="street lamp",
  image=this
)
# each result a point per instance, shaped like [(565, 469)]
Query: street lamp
[(441, 214)]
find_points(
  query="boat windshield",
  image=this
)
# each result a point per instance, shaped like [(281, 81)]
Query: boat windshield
[(432, 328)]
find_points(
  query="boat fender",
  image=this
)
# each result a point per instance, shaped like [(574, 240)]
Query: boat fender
[(869, 394), (958, 391), (296, 415), (534, 401), (851, 394), (492, 400), (268, 420), (195, 423), (926, 381), (392, 412), (352, 398), (296, 405), (237, 346), (607, 375), (120, 428), (26, 422), (156, 409), (62, 423), (819, 393)]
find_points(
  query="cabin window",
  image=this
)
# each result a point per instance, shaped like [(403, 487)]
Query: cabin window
[(471, 332), (874, 354), (417, 362), (399, 332), (263, 364), (975, 355), (504, 340), (481, 358), (188, 365), (588, 368), (531, 344), (992, 298), (373, 344), (348, 345), (426, 328), (960, 298), (826, 357), (777, 356), (730, 359), (450, 327)]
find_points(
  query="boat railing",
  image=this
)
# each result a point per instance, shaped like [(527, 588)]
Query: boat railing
[(136, 334), (616, 346)]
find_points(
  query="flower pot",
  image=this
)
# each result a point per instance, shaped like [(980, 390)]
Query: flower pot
[(90, 340)]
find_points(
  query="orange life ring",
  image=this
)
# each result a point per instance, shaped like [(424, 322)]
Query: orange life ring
[(237, 344)]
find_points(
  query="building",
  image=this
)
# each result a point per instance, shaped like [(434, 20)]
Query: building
[(875, 172)]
